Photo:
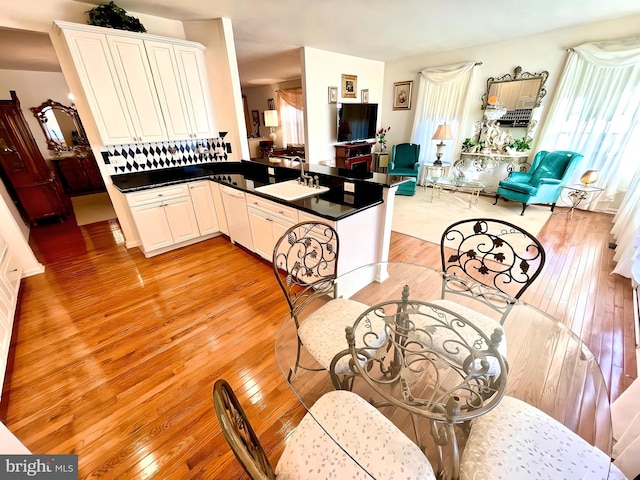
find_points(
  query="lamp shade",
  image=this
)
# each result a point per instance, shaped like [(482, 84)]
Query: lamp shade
[(270, 118), (443, 133), (589, 177)]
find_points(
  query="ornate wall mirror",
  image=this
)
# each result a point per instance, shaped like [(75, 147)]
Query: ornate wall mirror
[(510, 99), (61, 126)]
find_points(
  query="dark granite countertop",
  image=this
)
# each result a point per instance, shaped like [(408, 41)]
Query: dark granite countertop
[(247, 175)]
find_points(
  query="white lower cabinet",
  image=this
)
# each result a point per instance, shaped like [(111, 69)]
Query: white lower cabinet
[(269, 221), (204, 207), (166, 216), (153, 226), (219, 206), (10, 275), (165, 223)]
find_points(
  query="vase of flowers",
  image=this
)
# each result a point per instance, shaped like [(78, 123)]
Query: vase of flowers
[(381, 135)]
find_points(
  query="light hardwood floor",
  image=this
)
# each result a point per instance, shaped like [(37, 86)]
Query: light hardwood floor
[(114, 355)]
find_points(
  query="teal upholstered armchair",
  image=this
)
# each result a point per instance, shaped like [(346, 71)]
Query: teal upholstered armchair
[(404, 163), (543, 183)]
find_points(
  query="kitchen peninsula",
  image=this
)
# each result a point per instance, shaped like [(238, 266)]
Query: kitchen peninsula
[(358, 204)]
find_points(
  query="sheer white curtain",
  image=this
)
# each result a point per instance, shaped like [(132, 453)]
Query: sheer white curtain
[(596, 112), (443, 97), (626, 229), (291, 116)]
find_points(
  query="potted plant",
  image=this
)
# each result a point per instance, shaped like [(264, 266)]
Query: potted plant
[(469, 145), (520, 144), (111, 15)]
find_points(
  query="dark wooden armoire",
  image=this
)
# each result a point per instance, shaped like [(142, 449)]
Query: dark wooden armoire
[(35, 188)]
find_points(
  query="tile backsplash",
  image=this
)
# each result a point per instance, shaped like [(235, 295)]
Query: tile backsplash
[(138, 157)]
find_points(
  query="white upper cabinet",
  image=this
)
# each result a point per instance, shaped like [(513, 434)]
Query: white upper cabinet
[(193, 74), (94, 64), (141, 88), (132, 66), (181, 82), (165, 71)]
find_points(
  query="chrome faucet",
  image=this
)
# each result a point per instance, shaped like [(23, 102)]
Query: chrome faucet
[(304, 179)]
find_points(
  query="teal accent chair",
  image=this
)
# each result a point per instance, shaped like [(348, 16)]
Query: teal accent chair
[(404, 163), (543, 183)]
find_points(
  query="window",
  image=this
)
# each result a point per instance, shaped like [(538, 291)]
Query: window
[(292, 115)]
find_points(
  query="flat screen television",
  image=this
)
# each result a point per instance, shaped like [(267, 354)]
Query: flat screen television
[(357, 121)]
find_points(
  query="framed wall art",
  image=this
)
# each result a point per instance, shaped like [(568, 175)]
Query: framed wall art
[(364, 95), (349, 86), (333, 94), (271, 104), (402, 95), (255, 122)]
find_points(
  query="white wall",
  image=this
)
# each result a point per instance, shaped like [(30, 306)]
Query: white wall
[(32, 89), (224, 80), (321, 70), (533, 53)]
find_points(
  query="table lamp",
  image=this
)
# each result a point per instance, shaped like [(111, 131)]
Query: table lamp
[(271, 121), (589, 177), (442, 133)]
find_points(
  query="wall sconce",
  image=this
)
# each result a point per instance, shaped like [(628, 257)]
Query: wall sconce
[(589, 177), (442, 133), (271, 121)]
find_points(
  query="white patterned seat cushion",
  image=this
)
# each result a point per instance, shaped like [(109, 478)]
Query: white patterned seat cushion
[(517, 441), (484, 323), (369, 437), (323, 335)]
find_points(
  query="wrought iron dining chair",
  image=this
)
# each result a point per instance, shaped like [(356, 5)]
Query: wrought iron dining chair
[(487, 264), (518, 441), (409, 372), (305, 260), (312, 453)]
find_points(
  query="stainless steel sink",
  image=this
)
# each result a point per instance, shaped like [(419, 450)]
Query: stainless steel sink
[(290, 190)]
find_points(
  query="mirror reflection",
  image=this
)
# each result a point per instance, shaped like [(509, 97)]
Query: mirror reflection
[(510, 99), (61, 126)]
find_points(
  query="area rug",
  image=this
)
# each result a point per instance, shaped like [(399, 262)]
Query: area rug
[(92, 208), (421, 217)]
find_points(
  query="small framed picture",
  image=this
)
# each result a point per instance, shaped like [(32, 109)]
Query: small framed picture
[(402, 95), (271, 104), (255, 122), (333, 94), (364, 95), (349, 86)]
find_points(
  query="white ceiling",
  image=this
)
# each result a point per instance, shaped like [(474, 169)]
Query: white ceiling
[(268, 34)]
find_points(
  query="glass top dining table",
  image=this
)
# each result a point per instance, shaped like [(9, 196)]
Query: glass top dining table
[(549, 367)]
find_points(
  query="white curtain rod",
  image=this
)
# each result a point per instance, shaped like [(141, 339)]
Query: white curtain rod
[(475, 65)]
